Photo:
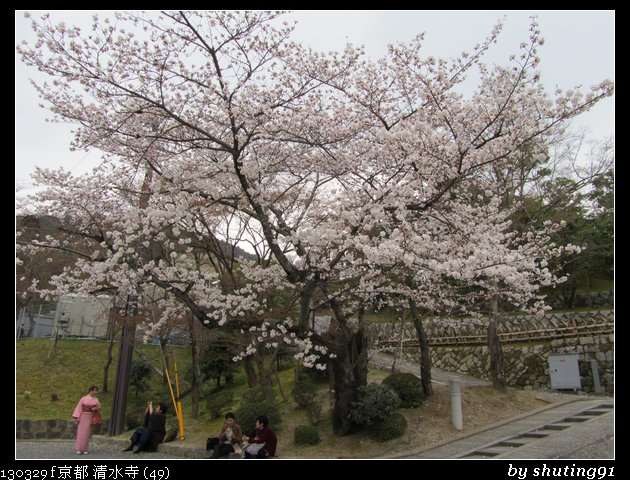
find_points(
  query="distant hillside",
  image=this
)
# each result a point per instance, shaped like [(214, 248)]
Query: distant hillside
[(238, 252), (47, 224), (37, 223)]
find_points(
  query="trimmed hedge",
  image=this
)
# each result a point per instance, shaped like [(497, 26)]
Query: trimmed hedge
[(314, 412), (304, 393), (305, 435), (408, 387), (375, 402), (392, 427)]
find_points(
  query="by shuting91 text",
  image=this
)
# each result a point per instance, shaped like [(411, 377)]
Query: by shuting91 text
[(591, 473)]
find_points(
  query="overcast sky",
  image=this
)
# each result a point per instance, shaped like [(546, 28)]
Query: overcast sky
[(579, 49)]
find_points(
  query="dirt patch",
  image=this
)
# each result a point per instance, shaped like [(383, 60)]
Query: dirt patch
[(429, 424)]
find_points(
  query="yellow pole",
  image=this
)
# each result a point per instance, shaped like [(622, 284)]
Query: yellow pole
[(180, 413), (170, 387)]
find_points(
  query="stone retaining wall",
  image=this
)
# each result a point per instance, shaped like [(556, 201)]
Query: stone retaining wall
[(526, 364), (50, 429), (526, 360)]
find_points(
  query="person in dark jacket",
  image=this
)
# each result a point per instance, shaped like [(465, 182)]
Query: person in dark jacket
[(148, 437), (264, 436)]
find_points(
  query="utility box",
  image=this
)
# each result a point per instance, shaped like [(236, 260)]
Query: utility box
[(565, 372)]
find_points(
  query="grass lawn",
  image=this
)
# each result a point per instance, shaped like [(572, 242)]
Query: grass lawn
[(77, 364)]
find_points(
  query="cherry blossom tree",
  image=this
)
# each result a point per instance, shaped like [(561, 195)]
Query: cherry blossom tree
[(329, 162)]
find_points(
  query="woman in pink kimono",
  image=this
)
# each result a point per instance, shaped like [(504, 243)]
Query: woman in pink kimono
[(83, 413)]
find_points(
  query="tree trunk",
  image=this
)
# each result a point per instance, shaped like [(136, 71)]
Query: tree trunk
[(306, 304), (589, 298), (345, 392), (497, 373), (360, 351), (569, 289), (264, 378), (273, 368), (331, 375), (400, 345), (31, 323), (350, 373), (425, 352), (250, 371), (196, 373)]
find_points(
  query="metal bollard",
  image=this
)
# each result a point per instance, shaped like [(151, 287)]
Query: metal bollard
[(456, 404)]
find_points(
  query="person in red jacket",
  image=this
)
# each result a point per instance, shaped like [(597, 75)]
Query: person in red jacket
[(264, 436)]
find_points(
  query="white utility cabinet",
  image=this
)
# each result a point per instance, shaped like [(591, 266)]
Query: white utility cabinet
[(565, 371)]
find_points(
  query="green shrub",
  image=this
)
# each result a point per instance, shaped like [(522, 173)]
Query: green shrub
[(315, 375), (217, 403), (375, 403), (305, 435), (247, 413), (134, 414), (314, 412), (408, 387), (254, 395), (216, 361), (304, 393), (139, 376), (392, 427)]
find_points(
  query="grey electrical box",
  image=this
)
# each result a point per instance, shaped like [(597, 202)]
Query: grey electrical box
[(565, 372)]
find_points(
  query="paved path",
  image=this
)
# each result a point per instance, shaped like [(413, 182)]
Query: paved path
[(100, 448), (384, 361), (578, 427), (583, 428)]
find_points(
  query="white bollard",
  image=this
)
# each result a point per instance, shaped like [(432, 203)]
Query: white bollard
[(596, 383), (456, 404)]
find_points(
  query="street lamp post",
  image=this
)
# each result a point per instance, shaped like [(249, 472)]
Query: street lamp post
[(121, 388)]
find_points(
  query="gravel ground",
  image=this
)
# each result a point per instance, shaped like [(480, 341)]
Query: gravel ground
[(604, 448)]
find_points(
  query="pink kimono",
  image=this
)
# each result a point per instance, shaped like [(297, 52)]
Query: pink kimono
[(84, 412)]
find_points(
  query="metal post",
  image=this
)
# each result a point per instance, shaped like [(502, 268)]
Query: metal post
[(121, 388), (20, 323), (596, 383), (456, 404), (39, 312)]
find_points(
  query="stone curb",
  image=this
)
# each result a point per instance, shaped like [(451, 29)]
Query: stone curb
[(171, 448)]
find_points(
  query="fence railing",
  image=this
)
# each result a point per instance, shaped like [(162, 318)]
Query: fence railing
[(35, 321), (514, 330)]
